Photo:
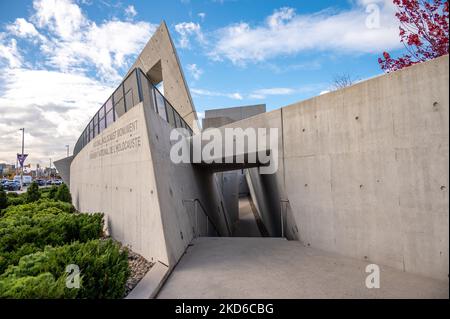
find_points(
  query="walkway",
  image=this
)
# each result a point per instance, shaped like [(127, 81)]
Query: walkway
[(218, 267), (246, 225)]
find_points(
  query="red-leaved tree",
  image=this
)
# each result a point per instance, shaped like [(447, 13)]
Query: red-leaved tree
[(423, 31)]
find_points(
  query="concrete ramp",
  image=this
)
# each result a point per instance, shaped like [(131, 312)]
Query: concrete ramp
[(277, 268)]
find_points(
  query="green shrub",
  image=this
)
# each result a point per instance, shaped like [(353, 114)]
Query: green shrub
[(12, 194), (63, 194), (52, 192), (16, 199), (45, 189), (38, 206), (3, 199), (103, 269), (34, 287), (26, 229), (13, 201), (33, 193)]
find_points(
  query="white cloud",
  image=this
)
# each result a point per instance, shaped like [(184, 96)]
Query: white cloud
[(130, 12), (9, 52), (275, 91), (86, 60), (63, 17), (195, 71), (287, 33), (186, 30), (74, 41), (280, 16), (53, 107), (203, 92), (202, 15), (263, 93), (22, 28)]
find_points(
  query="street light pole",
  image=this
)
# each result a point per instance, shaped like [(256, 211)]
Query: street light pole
[(21, 172), (67, 146)]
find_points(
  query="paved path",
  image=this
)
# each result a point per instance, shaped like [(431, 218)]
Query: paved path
[(246, 225), (219, 267)]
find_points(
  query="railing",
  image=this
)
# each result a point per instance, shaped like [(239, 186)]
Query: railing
[(283, 216), (136, 88), (197, 224)]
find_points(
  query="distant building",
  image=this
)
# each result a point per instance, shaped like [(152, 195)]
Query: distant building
[(6, 169), (220, 117)]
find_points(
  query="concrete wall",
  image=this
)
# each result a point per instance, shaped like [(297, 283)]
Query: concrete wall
[(160, 51), (236, 113), (221, 117), (63, 167), (122, 185), (179, 187), (365, 169), (153, 205)]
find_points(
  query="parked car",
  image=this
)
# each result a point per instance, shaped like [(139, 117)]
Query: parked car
[(40, 182), (12, 186), (57, 182), (27, 179)]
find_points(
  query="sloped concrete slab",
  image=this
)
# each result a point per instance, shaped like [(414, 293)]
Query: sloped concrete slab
[(149, 286), (277, 268)]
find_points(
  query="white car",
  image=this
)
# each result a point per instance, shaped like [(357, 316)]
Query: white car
[(26, 179)]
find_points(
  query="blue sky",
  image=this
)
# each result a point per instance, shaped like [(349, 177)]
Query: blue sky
[(59, 60)]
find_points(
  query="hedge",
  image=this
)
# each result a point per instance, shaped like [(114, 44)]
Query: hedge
[(35, 207), (13, 201), (3, 198), (25, 229), (103, 270)]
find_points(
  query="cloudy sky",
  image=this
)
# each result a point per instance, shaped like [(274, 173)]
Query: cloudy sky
[(61, 59)]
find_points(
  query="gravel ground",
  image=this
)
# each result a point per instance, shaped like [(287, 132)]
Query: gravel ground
[(139, 266)]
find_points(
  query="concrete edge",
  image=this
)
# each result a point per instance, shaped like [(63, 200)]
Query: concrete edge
[(152, 282)]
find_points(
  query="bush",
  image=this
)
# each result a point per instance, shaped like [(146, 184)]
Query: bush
[(103, 270), (36, 207), (12, 194), (25, 229), (16, 199), (63, 194), (51, 194), (13, 201), (33, 193), (3, 199)]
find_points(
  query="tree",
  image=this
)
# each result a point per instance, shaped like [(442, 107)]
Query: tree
[(342, 81), (63, 194), (3, 198), (33, 193), (423, 31)]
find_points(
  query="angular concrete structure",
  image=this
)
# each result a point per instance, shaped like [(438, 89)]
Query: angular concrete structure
[(363, 171)]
